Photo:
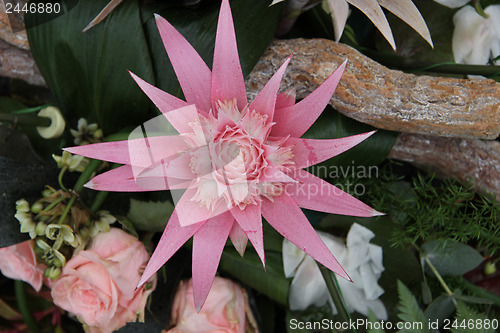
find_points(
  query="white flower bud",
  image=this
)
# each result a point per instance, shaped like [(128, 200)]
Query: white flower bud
[(57, 124), (22, 206)]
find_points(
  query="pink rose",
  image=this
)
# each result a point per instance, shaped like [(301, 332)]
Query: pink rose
[(19, 262), (223, 311), (98, 284)]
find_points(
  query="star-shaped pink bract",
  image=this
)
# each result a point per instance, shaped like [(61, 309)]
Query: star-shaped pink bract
[(237, 161)]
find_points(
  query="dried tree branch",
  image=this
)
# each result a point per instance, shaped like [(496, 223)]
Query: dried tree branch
[(470, 160), (384, 98), (19, 64)]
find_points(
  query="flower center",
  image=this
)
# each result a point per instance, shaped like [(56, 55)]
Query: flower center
[(231, 166)]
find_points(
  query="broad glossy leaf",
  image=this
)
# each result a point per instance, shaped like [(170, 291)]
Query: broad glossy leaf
[(371, 152), (451, 258), (150, 216), (440, 309), (271, 282), (87, 72)]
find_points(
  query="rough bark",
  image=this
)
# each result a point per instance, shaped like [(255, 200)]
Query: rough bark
[(470, 160), (19, 64), (384, 98)]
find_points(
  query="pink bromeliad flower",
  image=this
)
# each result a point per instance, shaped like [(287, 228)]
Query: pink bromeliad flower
[(237, 161)]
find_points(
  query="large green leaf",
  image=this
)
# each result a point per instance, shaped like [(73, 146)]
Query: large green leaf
[(149, 215), (87, 72), (255, 23), (451, 258), (271, 282), (440, 309)]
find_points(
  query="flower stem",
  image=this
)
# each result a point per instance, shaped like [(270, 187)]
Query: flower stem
[(86, 174), (23, 306), (434, 270), (53, 204), (98, 200), (25, 120), (66, 210), (334, 291), (391, 60), (438, 276)]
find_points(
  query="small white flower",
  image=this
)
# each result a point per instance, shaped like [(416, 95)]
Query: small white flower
[(105, 219), (63, 231), (72, 162), (26, 222), (361, 260), (476, 39), (86, 132), (22, 206)]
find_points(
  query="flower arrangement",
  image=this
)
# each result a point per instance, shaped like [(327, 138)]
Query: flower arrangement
[(132, 190)]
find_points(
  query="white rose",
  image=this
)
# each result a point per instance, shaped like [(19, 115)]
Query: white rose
[(476, 39), (361, 260)]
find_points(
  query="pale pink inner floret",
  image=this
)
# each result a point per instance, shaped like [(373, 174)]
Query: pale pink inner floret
[(231, 163)]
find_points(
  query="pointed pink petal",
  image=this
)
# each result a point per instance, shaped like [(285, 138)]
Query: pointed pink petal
[(190, 211), (122, 179), (173, 237), (295, 120), (250, 220), (159, 172), (227, 78), (286, 98), (285, 216), (115, 151), (239, 239), (134, 151), (307, 152), (264, 103), (316, 194), (208, 244), (157, 147), (163, 100), (193, 74)]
